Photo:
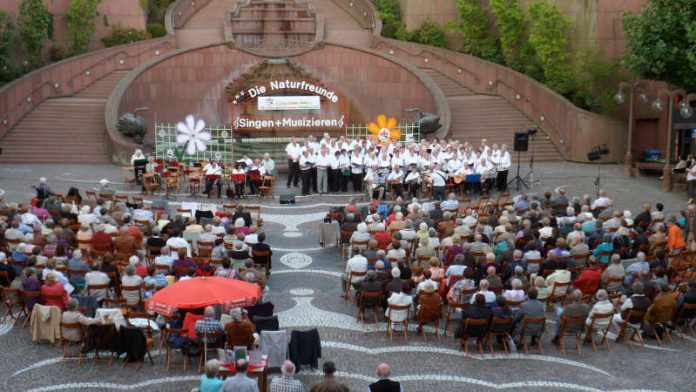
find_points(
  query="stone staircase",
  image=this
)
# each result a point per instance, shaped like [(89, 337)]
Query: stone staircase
[(66, 130), (205, 27), (478, 116)]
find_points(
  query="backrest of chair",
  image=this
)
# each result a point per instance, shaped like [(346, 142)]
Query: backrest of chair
[(687, 311), (501, 324), (528, 320), (357, 274), (600, 316), (477, 326), (164, 268), (67, 326), (113, 303), (370, 298), (568, 322)]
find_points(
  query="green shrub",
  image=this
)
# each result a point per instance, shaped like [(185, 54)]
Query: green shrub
[(35, 24), (156, 30), (6, 32), (80, 21), (122, 35), (58, 52), (389, 29), (389, 11), (429, 33)]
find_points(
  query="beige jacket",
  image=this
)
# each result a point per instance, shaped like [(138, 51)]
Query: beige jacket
[(45, 323)]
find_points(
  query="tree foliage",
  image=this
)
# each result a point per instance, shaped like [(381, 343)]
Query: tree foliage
[(6, 32), (512, 25), (473, 26), (80, 21), (548, 36), (34, 24), (662, 42)]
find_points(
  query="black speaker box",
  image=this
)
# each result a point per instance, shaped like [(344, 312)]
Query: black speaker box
[(521, 141), (287, 199)]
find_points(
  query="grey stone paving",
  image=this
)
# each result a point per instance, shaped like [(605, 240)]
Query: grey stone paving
[(313, 285)]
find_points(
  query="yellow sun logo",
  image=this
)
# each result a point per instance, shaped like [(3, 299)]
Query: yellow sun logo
[(384, 130)]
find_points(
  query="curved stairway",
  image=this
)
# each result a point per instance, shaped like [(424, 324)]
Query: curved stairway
[(71, 129)]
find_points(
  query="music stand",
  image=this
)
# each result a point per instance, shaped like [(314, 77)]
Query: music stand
[(472, 179)]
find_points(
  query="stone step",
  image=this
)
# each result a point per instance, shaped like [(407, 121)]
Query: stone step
[(448, 86)]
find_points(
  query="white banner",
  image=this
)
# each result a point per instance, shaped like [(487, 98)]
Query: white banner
[(301, 102)]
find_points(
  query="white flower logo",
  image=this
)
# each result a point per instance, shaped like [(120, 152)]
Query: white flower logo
[(192, 135)]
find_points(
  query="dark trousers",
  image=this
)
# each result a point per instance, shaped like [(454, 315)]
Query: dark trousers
[(356, 179), (334, 179), (314, 179), (306, 181), (413, 188), (397, 188), (343, 180), (209, 185), (501, 181), (293, 172), (239, 189), (439, 193), (690, 188)]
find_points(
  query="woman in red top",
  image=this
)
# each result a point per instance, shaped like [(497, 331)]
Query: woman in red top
[(54, 288)]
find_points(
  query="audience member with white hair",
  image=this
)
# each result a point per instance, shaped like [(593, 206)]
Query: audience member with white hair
[(285, 382)]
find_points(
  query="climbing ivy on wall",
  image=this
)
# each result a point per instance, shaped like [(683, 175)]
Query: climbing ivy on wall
[(512, 25), (35, 24), (80, 21), (548, 36), (6, 32)]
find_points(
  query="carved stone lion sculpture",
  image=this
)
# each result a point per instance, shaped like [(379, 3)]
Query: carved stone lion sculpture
[(132, 125)]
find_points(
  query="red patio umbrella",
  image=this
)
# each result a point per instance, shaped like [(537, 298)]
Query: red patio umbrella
[(200, 292)]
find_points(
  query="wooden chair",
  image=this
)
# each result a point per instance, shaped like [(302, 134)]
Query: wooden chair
[(429, 314), (391, 323), (218, 342), (29, 294), (135, 290), (107, 196), (685, 319), (360, 244), (129, 176), (182, 332), (571, 326), (499, 327), (349, 285), (162, 268), (635, 328), (264, 257), (12, 298), (185, 212), (152, 252), (67, 342), (93, 287), (172, 181), (266, 188), (592, 328), (121, 198), (229, 209), (558, 292), (205, 248), (114, 303), (194, 180), (344, 243), (473, 328), (526, 322), (664, 323), (369, 300), (451, 307), (91, 196)]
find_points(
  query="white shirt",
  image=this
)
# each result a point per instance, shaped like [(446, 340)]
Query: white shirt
[(305, 162), (356, 164), (505, 161), (323, 161), (601, 202), (413, 176), (438, 178), (294, 151), (398, 299), (210, 170), (395, 176), (357, 263)]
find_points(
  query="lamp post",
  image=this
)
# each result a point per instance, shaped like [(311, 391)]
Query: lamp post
[(620, 98), (658, 106)]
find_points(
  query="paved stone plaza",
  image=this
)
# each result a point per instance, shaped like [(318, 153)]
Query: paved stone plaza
[(306, 291)]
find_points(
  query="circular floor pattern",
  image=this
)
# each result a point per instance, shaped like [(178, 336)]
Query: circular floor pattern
[(296, 260), (292, 234), (302, 291)]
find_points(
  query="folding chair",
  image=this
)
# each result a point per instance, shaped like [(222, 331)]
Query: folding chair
[(571, 326), (592, 328), (634, 324), (685, 319), (369, 300), (499, 327), (391, 323), (473, 328), (266, 188), (430, 314), (67, 342), (526, 322)]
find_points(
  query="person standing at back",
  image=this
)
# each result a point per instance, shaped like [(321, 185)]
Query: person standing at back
[(240, 382), (384, 384), (329, 382)]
